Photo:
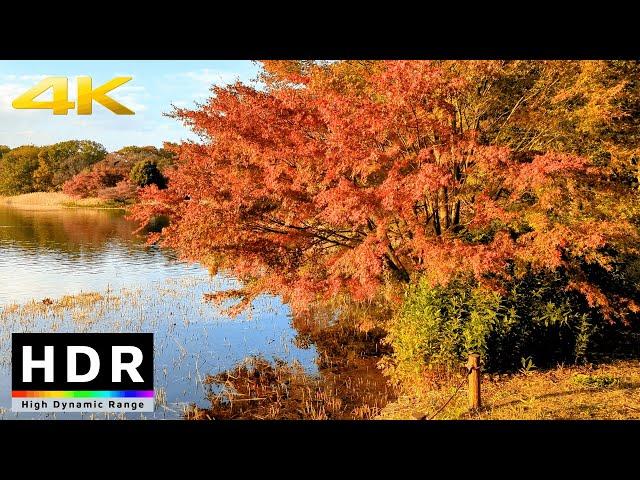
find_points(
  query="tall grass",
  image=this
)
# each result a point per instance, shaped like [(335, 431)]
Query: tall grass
[(52, 200)]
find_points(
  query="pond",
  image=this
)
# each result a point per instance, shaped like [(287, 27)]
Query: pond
[(96, 275)]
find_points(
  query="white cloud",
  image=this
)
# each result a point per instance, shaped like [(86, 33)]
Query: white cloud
[(198, 83), (206, 76), (8, 92), (32, 78)]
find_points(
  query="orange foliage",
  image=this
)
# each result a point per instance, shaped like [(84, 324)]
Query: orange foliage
[(90, 183), (343, 177)]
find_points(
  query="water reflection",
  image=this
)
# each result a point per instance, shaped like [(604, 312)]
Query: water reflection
[(191, 338), (58, 252), (139, 289), (68, 231)]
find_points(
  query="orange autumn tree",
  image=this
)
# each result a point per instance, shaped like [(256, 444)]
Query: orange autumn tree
[(348, 177)]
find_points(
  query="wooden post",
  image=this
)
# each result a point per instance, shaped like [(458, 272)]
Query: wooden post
[(474, 381)]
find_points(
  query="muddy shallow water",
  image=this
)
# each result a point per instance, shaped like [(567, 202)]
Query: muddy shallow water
[(102, 278)]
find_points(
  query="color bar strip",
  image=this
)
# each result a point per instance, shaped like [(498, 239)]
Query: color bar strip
[(82, 394)]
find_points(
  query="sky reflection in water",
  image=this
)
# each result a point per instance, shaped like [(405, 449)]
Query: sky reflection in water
[(48, 254)]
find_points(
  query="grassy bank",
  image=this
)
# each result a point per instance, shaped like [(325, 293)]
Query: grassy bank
[(607, 391), (53, 200)]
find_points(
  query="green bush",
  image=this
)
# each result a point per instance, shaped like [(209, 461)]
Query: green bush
[(146, 172), (437, 327)]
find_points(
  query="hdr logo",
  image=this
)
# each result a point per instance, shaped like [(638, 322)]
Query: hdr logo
[(82, 372)]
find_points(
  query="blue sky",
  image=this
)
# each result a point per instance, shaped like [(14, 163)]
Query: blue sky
[(155, 86)]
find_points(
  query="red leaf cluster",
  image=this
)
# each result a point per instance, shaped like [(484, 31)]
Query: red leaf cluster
[(96, 182)]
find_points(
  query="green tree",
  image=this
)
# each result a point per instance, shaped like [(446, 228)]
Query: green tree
[(17, 167), (133, 154), (146, 172), (60, 162)]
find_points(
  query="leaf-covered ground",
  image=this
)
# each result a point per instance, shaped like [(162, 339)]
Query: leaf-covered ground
[(607, 391)]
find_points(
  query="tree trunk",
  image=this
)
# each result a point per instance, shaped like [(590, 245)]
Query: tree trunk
[(443, 207)]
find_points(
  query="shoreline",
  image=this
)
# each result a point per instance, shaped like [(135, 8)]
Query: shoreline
[(55, 201)]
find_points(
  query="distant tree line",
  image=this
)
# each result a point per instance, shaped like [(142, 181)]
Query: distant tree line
[(82, 168)]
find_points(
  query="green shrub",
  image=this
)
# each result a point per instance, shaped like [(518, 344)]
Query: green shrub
[(536, 318), (146, 172)]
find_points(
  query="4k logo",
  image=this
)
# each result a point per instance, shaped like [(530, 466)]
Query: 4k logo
[(60, 104)]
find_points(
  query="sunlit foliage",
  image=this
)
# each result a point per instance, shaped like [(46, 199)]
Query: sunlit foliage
[(345, 177)]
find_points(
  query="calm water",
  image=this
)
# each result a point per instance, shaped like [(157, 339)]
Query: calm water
[(50, 254)]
